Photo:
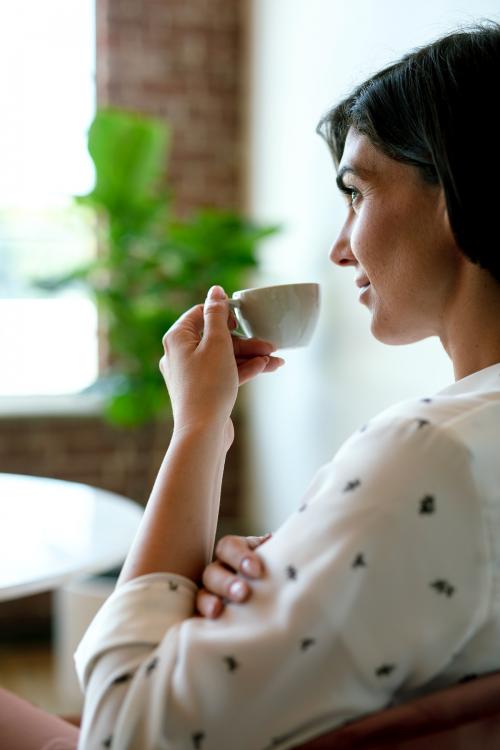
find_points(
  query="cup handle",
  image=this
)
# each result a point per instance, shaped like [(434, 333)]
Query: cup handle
[(238, 332)]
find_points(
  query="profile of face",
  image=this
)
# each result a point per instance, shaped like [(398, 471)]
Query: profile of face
[(397, 237)]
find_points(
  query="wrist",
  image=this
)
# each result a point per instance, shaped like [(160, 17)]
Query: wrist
[(213, 431)]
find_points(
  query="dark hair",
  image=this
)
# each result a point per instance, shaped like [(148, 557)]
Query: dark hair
[(436, 109)]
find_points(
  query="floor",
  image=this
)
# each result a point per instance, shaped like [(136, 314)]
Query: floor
[(29, 671)]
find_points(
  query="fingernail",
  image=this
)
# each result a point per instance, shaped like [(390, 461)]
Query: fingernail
[(251, 567), (214, 609), (216, 292), (237, 590)]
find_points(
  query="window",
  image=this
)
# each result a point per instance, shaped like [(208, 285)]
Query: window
[(47, 90)]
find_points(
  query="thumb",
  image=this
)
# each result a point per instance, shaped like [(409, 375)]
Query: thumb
[(215, 311)]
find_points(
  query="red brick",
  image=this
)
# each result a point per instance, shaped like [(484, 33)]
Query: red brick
[(180, 60)]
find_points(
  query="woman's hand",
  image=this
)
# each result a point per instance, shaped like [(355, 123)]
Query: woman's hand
[(226, 578), (203, 364)]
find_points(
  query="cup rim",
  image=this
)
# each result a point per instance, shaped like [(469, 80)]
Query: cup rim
[(276, 286)]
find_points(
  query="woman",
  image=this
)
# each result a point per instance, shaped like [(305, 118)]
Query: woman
[(383, 586)]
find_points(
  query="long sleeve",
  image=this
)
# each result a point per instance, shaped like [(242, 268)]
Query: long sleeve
[(372, 587)]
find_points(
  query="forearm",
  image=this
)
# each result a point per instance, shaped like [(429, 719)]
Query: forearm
[(177, 531)]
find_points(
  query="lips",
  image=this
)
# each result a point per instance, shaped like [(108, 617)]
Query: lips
[(363, 283)]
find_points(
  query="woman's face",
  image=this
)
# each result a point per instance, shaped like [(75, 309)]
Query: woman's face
[(397, 237)]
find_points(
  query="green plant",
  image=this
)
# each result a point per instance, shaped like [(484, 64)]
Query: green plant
[(150, 267)]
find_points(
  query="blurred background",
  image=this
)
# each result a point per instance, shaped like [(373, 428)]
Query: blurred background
[(229, 93)]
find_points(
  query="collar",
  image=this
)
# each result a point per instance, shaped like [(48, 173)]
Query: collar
[(487, 379)]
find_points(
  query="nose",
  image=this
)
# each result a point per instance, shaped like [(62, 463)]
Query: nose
[(341, 252)]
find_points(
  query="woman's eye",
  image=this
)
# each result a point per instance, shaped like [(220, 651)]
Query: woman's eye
[(353, 195), (350, 193)]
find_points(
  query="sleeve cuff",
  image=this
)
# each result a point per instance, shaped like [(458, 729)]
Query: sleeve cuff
[(138, 612)]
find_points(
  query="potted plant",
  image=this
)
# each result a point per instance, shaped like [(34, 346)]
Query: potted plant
[(150, 266)]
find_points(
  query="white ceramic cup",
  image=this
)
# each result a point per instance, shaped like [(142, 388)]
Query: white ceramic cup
[(285, 315)]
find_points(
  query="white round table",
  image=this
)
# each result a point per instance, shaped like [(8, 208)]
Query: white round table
[(52, 531)]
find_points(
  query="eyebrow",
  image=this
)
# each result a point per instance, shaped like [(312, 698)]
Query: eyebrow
[(361, 173)]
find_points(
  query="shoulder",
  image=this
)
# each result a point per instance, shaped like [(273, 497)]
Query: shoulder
[(402, 486), (409, 435), (402, 456)]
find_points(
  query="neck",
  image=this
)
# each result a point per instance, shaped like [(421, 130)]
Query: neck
[(471, 334)]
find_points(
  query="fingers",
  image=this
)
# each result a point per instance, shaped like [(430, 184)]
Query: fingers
[(249, 369), (218, 580), (213, 317), (216, 311), (236, 552), (186, 330), (252, 347), (253, 357), (256, 541), (221, 580), (209, 605), (200, 315)]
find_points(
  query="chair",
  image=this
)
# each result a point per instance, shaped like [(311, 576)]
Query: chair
[(463, 717)]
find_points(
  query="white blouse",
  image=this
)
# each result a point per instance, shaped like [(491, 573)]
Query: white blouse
[(382, 586)]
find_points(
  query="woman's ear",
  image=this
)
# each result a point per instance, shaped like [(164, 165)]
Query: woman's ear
[(443, 216), (443, 208), (448, 235)]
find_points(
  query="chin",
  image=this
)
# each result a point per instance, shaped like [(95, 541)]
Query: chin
[(396, 335)]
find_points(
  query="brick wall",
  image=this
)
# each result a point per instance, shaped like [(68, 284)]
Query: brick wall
[(180, 60), (87, 449)]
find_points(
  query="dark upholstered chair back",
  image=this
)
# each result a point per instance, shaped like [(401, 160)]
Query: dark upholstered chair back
[(463, 717)]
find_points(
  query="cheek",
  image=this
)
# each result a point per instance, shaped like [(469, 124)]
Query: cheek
[(373, 240)]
